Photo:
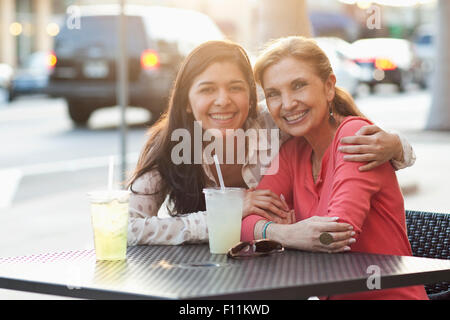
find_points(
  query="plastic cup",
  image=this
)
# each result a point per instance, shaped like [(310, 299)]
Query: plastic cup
[(109, 213), (224, 217)]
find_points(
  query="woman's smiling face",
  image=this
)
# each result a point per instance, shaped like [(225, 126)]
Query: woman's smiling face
[(296, 97), (220, 97)]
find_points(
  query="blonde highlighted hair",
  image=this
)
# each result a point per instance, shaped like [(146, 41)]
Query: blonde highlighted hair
[(306, 50)]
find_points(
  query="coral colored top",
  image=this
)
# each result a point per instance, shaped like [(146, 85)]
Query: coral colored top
[(370, 201)]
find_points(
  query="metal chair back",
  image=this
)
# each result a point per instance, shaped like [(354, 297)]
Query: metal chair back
[(429, 235)]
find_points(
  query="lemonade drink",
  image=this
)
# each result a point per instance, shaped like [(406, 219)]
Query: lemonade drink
[(109, 211), (224, 217)]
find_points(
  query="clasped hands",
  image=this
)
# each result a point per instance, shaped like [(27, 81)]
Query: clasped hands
[(304, 234)]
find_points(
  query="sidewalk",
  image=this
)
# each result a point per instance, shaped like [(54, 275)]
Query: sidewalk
[(426, 185)]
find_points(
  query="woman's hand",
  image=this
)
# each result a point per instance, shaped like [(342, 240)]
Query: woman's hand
[(266, 204), (373, 145), (305, 234)]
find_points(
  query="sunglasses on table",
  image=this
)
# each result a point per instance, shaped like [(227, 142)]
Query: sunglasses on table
[(255, 248)]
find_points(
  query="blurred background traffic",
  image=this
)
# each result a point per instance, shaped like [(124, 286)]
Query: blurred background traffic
[(59, 119), (67, 49)]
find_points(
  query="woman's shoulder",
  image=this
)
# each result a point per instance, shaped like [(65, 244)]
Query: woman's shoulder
[(350, 125)]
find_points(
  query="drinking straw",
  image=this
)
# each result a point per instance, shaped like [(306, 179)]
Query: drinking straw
[(219, 173), (110, 173)]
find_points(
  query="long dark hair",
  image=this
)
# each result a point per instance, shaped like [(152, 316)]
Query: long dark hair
[(184, 182)]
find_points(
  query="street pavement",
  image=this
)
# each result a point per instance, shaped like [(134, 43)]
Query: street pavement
[(47, 166)]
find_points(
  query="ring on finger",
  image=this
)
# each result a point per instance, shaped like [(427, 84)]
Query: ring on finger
[(326, 238)]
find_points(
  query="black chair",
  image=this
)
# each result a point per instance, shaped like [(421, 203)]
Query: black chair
[(429, 235)]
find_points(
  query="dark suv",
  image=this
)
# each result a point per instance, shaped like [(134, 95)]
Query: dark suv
[(158, 40)]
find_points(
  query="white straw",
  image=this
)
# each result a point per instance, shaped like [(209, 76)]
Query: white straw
[(219, 173), (111, 173)]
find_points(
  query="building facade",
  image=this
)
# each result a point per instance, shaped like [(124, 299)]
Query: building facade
[(27, 26)]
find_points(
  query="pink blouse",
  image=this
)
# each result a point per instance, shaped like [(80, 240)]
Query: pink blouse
[(370, 201)]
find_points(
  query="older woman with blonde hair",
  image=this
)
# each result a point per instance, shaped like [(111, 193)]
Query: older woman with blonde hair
[(303, 100)]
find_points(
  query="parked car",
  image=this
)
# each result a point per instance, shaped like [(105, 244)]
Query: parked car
[(387, 60), (158, 40), (347, 72), (33, 77), (6, 73)]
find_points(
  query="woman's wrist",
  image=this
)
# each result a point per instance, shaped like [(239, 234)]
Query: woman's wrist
[(259, 226), (278, 232), (398, 156), (273, 231)]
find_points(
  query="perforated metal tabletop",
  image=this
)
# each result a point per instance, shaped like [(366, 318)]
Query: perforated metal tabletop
[(191, 272)]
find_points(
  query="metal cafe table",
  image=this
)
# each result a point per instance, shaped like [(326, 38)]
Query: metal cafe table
[(191, 272)]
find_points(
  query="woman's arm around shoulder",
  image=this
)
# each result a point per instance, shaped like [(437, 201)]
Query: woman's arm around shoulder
[(374, 146)]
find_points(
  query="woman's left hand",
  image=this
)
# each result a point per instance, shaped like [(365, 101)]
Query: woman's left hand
[(373, 145)]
